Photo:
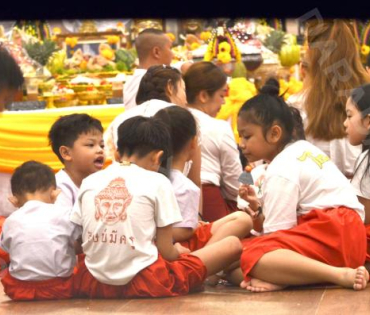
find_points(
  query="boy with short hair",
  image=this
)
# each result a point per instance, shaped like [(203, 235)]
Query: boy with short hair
[(39, 238), (126, 212), (77, 140)]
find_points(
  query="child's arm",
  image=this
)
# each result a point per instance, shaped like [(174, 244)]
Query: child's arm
[(78, 246), (182, 234), (247, 193), (165, 245)]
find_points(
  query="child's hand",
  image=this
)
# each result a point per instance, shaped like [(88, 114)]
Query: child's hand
[(181, 249), (247, 193), (254, 214)]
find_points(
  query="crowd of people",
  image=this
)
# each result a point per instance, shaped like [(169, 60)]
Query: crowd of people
[(164, 216)]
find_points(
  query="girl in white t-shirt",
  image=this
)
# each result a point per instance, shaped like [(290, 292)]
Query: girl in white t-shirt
[(310, 219), (126, 212), (357, 127), (191, 233)]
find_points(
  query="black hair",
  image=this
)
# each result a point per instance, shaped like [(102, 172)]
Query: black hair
[(182, 124), (154, 83), (298, 131), (66, 130), (11, 76), (203, 76), (141, 135), (30, 177), (360, 97), (268, 108)]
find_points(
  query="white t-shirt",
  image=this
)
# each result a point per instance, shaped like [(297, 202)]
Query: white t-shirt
[(188, 197), (39, 238), (119, 209), (361, 183), (131, 87), (147, 109), (299, 179), (340, 151), (69, 190), (221, 164)]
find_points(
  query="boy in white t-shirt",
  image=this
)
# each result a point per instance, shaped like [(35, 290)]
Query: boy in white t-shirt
[(126, 212), (39, 238), (77, 141)]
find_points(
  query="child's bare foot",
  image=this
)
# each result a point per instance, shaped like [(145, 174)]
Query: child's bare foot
[(356, 279), (256, 285)]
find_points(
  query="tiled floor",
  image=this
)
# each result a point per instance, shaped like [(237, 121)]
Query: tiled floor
[(212, 301)]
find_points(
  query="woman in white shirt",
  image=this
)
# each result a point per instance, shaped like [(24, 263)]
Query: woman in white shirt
[(205, 91), (333, 68)]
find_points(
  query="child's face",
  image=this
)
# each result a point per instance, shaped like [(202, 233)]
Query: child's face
[(87, 153), (253, 144), (214, 103), (357, 128)]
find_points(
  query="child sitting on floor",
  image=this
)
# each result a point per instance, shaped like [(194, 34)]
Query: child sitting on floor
[(39, 238), (191, 233), (77, 141), (126, 212)]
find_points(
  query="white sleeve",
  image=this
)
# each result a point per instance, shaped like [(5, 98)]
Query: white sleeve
[(179, 64), (361, 183), (344, 155), (231, 167), (167, 210), (76, 213), (279, 204), (109, 144), (4, 242), (188, 201), (65, 198)]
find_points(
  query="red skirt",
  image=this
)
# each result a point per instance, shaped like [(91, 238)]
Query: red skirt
[(4, 256), (200, 237), (161, 279), (214, 205), (52, 289), (333, 236)]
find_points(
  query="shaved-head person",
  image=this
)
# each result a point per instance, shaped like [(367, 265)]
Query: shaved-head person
[(153, 47)]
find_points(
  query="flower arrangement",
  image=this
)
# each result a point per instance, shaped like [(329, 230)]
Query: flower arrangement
[(362, 34), (222, 47)]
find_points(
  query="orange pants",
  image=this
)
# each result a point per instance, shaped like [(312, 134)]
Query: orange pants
[(200, 237), (160, 279), (4, 256), (214, 205), (333, 236), (52, 289)]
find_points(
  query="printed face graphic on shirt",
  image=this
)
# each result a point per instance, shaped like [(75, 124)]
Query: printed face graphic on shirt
[(111, 203)]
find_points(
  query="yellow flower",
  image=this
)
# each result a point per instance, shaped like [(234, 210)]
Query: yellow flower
[(171, 36), (205, 36), (224, 57), (114, 39), (365, 50), (71, 41), (57, 30), (194, 46), (224, 47), (208, 56)]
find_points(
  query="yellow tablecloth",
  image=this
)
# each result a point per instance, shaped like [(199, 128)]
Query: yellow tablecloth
[(23, 134)]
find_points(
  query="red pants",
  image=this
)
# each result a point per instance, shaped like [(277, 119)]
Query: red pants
[(52, 289), (4, 256), (214, 205), (160, 279), (333, 236), (200, 237)]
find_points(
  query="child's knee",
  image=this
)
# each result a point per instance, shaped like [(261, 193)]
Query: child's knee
[(244, 219), (233, 245)]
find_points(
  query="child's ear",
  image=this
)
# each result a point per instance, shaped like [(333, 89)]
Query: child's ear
[(14, 201), (65, 153), (54, 194), (275, 134), (157, 157)]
